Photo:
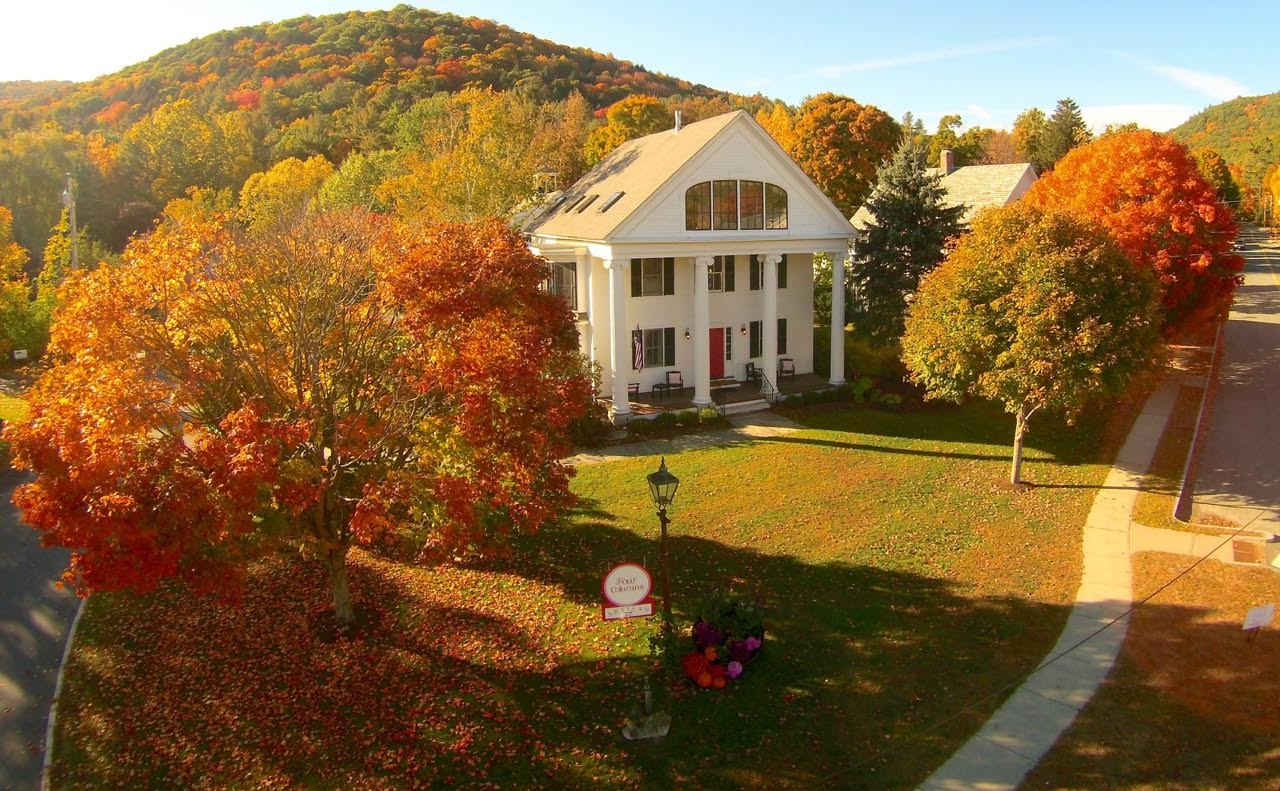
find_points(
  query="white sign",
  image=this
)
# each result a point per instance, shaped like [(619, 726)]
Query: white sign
[(19, 354), (626, 590), (1259, 617)]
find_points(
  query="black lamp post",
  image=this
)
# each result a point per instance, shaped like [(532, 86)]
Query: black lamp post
[(662, 487)]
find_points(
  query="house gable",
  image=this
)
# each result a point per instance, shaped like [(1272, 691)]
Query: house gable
[(742, 150)]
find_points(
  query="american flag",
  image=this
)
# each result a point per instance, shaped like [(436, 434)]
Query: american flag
[(637, 350)]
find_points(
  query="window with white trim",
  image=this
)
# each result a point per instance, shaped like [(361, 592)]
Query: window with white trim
[(715, 275), (729, 204)]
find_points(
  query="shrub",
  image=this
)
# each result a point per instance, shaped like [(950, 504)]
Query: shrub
[(861, 385), (640, 428), (708, 415), (664, 420), (687, 417), (591, 429)]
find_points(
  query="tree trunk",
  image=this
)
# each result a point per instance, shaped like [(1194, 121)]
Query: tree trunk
[(342, 609), (1020, 427)]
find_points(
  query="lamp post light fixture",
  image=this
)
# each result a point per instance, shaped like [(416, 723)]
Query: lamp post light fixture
[(662, 487)]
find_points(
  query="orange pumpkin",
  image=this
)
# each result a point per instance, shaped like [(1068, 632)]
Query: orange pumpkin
[(704, 679), (710, 653), (718, 682)]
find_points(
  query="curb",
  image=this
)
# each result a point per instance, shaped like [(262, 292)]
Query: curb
[(1182, 503), (57, 693)]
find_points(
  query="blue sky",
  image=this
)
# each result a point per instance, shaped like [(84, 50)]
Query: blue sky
[(1153, 62)]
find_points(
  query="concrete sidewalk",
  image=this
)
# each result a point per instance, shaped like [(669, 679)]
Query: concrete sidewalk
[(1018, 735)]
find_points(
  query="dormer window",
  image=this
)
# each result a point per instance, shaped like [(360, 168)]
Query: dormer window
[(730, 205)]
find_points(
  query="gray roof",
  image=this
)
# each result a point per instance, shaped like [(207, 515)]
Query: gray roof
[(975, 187)]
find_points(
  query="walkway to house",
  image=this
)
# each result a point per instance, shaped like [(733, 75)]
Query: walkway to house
[(746, 428), (1018, 735)]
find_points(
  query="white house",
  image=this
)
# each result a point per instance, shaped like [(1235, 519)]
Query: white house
[(691, 251)]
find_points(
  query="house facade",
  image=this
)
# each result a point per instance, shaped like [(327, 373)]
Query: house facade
[(688, 256)]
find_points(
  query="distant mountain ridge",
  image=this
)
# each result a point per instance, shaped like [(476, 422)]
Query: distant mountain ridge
[(306, 66), (1245, 131)]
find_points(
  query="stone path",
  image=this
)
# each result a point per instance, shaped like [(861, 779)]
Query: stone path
[(746, 428), (1018, 735)]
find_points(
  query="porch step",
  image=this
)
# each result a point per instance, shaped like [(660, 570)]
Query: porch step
[(724, 384), (746, 406)]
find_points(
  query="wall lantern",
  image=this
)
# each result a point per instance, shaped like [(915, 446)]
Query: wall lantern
[(687, 336)]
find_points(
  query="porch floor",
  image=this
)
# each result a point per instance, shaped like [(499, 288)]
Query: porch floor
[(651, 403)]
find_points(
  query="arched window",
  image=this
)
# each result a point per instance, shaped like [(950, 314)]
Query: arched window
[(697, 207), (775, 207), (726, 205)]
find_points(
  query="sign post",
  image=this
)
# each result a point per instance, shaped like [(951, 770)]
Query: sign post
[(1258, 617), (626, 588)]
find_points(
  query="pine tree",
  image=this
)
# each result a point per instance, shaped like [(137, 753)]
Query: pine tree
[(910, 229), (1064, 131)]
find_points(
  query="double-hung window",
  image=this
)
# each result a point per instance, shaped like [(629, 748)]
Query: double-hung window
[(563, 282), (715, 275), (652, 277), (660, 347)]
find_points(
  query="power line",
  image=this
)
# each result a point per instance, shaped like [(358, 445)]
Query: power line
[(920, 734)]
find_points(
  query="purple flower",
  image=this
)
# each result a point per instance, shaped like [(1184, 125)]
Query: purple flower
[(734, 669), (753, 644), (705, 635)]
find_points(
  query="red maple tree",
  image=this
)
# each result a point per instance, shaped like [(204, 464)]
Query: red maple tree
[(1144, 188)]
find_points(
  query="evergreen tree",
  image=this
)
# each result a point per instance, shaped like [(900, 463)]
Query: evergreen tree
[(1064, 131), (910, 228)]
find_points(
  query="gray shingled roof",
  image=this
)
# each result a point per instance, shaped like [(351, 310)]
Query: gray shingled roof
[(975, 187)]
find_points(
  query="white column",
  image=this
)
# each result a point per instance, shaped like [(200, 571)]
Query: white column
[(769, 273), (620, 348), (837, 317), (701, 332), (583, 289)]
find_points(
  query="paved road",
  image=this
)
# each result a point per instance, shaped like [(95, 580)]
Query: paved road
[(1239, 468), (34, 619)]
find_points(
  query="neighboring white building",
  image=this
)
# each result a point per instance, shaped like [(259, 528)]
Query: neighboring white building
[(975, 187), (691, 250)]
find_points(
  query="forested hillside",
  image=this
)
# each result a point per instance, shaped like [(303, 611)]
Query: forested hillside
[(1245, 131), (213, 111)]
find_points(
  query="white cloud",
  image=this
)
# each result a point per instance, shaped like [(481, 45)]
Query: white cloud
[(1215, 86), (930, 56), (979, 112), (1160, 117)]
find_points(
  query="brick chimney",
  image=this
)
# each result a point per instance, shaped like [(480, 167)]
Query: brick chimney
[(947, 161)]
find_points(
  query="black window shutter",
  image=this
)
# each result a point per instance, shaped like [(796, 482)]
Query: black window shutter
[(782, 272), (637, 274), (782, 336), (756, 351), (668, 276), (669, 346), (729, 266), (755, 274)]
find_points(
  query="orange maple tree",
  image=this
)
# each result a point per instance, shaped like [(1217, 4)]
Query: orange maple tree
[(342, 380), (1144, 188), (840, 143)]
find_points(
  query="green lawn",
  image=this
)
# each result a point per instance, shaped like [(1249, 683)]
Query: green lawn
[(12, 408), (902, 579)]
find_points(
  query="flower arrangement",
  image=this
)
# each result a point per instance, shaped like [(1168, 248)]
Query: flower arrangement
[(727, 634)]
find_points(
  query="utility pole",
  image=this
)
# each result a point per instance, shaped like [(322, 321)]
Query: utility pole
[(69, 201)]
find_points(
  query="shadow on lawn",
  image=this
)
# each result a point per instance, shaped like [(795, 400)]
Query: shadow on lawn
[(856, 657), (973, 423)]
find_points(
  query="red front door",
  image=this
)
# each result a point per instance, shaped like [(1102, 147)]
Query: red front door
[(717, 353)]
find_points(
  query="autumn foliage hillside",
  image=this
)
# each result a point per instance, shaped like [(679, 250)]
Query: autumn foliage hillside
[(1245, 131), (349, 69)]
